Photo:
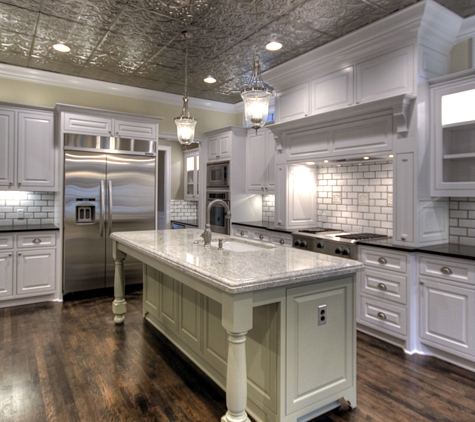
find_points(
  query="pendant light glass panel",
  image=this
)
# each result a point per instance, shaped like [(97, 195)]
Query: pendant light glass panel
[(256, 107)]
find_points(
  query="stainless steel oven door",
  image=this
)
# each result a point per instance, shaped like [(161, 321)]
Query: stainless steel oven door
[(217, 214)]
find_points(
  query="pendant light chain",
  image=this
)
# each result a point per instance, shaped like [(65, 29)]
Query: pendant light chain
[(186, 65)]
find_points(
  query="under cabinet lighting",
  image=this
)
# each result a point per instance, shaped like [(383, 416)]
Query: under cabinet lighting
[(366, 158), (391, 156), (310, 163), (325, 161)]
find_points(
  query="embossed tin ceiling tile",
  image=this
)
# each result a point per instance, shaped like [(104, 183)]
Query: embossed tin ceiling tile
[(25, 4), (464, 8), (102, 75), (175, 9), (68, 9), (156, 85), (19, 20), (14, 59), (44, 48), (14, 43), (54, 66), (101, 13)]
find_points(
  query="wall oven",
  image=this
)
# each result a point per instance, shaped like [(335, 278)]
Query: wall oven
[(218, 175), (218, 221)]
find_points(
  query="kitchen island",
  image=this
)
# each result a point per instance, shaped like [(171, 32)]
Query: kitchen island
[(273, 326)]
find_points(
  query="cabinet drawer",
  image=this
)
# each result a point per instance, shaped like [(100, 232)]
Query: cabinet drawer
[(383, 285), (6, 241), (281, 240), (262, 236), (94, 125), (35, 240), (383, 259), (447, 269), (384, 316), (242, 232)]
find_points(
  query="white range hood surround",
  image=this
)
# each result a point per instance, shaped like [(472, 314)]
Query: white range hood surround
[(400, 107)]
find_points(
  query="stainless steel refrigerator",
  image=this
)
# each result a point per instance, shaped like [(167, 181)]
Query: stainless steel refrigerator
[(109, 185)]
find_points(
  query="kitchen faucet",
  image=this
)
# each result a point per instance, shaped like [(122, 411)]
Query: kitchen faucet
[(207, 233)]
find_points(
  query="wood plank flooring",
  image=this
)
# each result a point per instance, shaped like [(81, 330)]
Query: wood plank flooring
[(62, 362)]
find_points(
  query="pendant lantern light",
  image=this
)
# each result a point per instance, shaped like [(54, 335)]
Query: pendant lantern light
[(257, 94), (185, 124)]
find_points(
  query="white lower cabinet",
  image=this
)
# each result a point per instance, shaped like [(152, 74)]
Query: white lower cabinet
[(447, 305), (270, 236), (28, 265), (383, 292), (295, 365)]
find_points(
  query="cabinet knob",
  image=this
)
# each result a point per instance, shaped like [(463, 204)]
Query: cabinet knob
[(403, 237), (382, 286), (242, 233), (421, 283), (382, 260), (446, 270), (282, 241), (19, 253), (261, 236), (381, 315), (36, 241)]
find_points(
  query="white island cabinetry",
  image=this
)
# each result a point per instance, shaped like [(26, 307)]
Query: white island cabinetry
[(233, 314)]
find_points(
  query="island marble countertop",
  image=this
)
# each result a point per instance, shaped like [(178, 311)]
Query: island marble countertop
[(235, 272)]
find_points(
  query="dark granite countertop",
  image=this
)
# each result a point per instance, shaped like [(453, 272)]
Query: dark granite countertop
[(263, 225), (192, 222), (446, 249), (29, 228)]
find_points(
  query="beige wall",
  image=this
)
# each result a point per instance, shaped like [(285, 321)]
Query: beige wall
[(461, 56), (31, 93)]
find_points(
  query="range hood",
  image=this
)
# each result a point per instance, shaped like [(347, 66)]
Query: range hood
[(399, 106)]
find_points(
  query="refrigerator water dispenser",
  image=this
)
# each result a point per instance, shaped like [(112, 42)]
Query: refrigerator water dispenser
[(85, 214)]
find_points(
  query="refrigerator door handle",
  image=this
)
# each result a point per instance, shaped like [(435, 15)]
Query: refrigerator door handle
[(103, 204), (109, 211)]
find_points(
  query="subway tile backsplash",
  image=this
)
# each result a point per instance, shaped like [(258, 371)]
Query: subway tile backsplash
[(462, 221), (268, 208), (356, 197), (183, 210), (38, 208)]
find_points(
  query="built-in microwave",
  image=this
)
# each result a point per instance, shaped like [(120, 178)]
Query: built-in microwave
[(218, 175)]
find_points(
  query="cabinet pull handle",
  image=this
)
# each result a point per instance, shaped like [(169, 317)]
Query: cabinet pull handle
[(282, 241), (381, 315), (261, 236), (382, 260), (19, 253), (403, 237), (421, 283), (242, 233), (382, 286), (446, 270), (36, 241)]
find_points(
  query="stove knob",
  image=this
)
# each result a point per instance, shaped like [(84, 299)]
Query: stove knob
[(320, 245), (345, 252), (338, 251), (303, 244), (297, 243)]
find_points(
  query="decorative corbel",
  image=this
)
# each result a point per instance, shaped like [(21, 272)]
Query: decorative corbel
[(402, 114)]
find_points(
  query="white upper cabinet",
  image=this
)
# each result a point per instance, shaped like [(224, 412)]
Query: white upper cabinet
[(191, 176), (385, 76), (219, 146), (332, 91), (260, 161), (381, 77), (292, 103), (453, 137), (28, 153), (88, 124)]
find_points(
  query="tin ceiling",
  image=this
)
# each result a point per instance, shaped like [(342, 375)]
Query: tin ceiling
[(139, 42)]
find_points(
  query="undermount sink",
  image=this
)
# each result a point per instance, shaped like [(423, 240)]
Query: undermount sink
[(238, 245)]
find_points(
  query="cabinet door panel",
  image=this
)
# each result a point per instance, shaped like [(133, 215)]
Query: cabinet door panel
[(135, 130), (447, 315), (93, 125), (404, 197), (7, 143), (169, 302), (36, 150), (385, 76), (292, 103), (301, 200), (320, 356), (6, 277), (36, 271), (256, 163), (190, 316), (332, 91)]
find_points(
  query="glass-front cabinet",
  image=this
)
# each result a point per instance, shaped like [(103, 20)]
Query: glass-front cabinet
[(191, 176), (453, 136)]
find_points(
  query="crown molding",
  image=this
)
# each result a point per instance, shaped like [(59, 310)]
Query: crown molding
[(66, 81)]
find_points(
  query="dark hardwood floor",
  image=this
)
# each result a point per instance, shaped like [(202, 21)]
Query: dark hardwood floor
[(69, 362)]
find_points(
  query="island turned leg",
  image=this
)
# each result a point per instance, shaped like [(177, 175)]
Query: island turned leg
[(237, 320), (119, 305)]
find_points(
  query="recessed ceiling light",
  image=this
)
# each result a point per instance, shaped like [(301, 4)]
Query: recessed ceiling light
[(365, 158), (391, 156), (325, 161), (210, 79), (62, 48), (273, 45)]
